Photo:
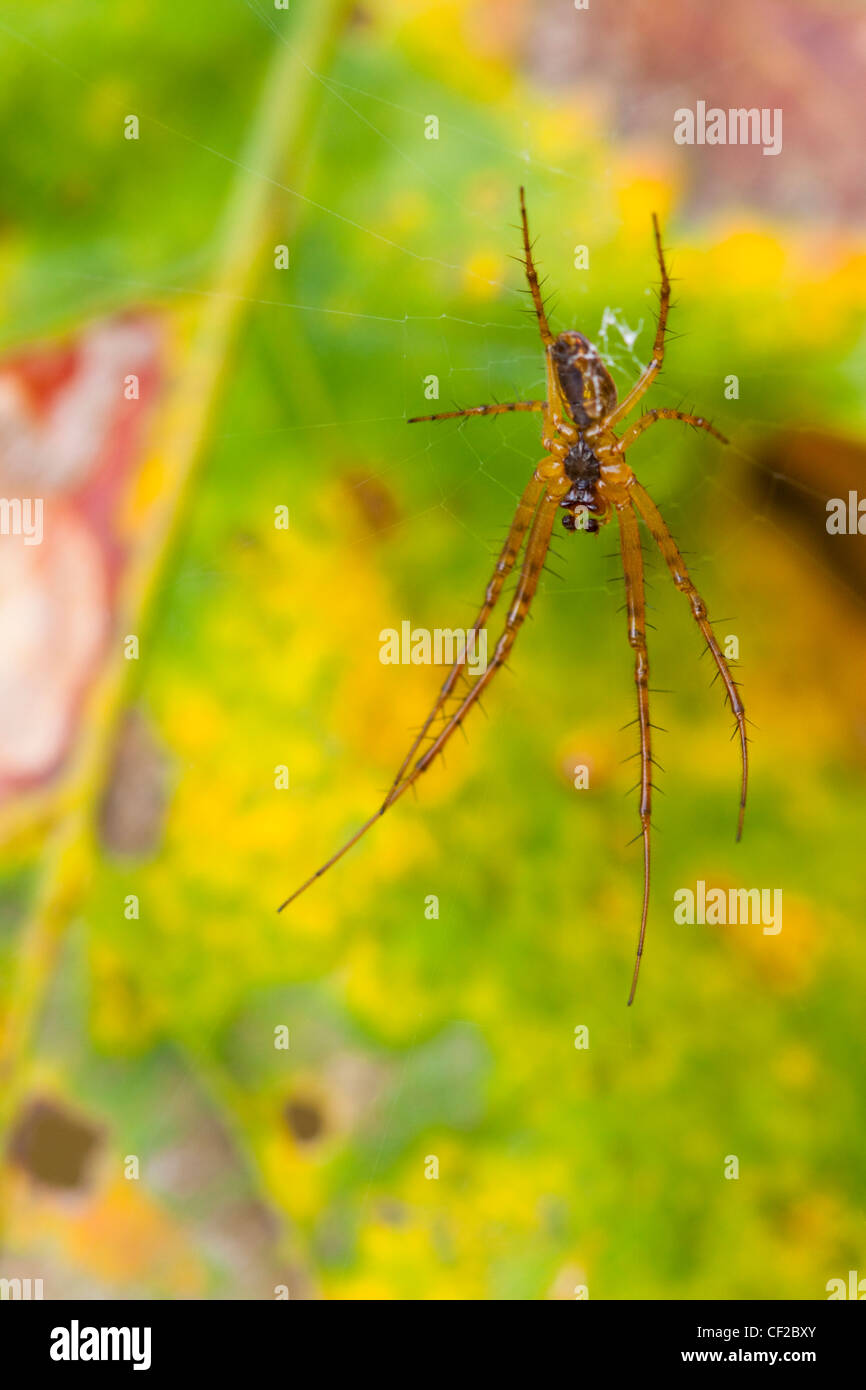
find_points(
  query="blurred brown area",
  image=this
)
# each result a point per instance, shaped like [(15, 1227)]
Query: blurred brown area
[(800, 472), (55, 1146), (639, 61), (134, 800)]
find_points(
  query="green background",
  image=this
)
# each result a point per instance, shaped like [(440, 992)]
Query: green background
[(452, 1037)]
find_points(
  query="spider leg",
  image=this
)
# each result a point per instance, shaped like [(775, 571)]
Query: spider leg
[(530, 573), (651, 371), (481, 410), (532, 277), (677, 566), (632, 560), (511, 549), (541, 518), (662, 413)]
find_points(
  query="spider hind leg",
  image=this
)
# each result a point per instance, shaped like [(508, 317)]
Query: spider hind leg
[(682, 579), (532, 527), (635, 594)]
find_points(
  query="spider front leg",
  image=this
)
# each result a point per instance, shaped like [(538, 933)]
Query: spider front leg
[(677, 566), (635, 597), (532, 276), (663, 413), (498, 409), (558, 430), (651, 371)]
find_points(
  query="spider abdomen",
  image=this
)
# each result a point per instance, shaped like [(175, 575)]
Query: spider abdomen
[(584, 380)]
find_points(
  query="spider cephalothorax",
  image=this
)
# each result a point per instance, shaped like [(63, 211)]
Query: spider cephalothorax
[(585, 508), (584, 472)]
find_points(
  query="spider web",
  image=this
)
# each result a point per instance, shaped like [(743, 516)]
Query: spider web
[(496, 455), (491, 354)]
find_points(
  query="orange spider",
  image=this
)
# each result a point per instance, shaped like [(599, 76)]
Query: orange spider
[(583, 474)]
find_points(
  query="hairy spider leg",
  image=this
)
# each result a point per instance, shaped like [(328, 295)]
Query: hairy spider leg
[(498, 409), (536, 515), (530, 572), (677, 566), (662, 413), (556, 415), (635, 597), (532, 276), (527, 585), (651, 371), (526, 509)]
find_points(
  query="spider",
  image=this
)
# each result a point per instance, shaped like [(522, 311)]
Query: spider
[(584, 478)]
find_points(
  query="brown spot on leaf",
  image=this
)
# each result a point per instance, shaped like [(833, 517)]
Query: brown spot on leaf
[(53, 1145), (304, 1119), (373, 500), (133, 805)]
